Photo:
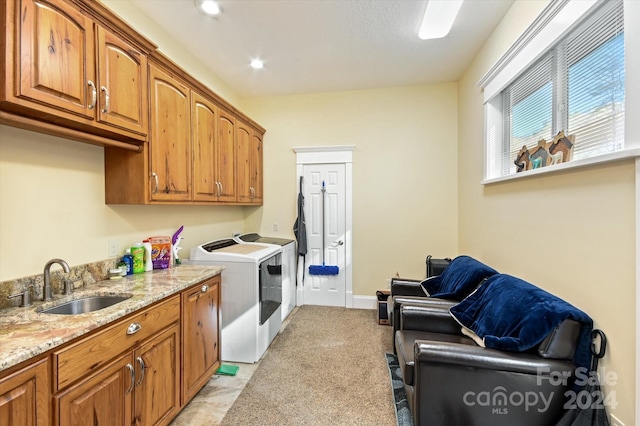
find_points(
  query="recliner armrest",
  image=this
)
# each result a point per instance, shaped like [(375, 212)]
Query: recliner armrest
[(406, 287), (430, 351), (434, 317)]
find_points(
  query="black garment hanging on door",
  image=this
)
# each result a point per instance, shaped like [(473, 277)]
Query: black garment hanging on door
[(300, 228)]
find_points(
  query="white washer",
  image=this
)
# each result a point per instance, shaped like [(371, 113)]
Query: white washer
[(251, 316), (289, 266)]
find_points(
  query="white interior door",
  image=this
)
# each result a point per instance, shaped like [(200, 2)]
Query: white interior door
[(327, 290)]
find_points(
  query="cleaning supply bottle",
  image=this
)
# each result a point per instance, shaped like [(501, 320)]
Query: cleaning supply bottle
[(128, 259), (148, 262), (137, 252)]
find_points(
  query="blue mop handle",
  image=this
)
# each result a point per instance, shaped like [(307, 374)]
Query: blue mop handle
[(324, 190)]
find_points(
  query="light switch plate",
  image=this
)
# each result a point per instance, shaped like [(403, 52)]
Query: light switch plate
[(113, 248)]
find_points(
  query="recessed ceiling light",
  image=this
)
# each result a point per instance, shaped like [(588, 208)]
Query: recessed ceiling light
[(209, 7), (257, 64), (438, 18)]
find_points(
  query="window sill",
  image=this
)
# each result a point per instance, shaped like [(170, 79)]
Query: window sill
[(601, 159)]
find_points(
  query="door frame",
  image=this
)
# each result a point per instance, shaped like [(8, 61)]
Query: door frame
[(340, 154)]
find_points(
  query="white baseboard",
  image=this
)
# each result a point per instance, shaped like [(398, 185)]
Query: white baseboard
[(364, 302)]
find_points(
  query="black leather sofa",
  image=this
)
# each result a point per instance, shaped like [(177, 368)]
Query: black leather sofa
[(451, 380), (407, 290)]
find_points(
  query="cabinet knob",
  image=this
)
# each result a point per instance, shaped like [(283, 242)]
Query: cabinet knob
[(133, 377), (94, 94), (142, 368), (105, 108), (204, 288), (154, 175), (134, 328)]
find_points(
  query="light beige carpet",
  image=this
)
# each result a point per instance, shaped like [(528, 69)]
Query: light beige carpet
[(327, 367)]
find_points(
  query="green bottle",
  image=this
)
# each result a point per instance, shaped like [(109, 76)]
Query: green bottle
[(137, 252)]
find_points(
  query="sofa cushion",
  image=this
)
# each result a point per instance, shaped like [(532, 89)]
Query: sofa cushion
[(511, 314), (462, 276)]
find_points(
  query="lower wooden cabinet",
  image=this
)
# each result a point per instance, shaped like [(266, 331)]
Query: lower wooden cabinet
[(157, 388), (25, 396), (103, 399), (140, 370), (141, 387), (201, 336)]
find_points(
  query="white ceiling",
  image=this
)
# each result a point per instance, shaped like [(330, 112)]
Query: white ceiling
[(313, 46)]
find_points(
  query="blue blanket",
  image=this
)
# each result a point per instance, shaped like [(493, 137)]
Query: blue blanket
[(513, 315), (460, 278)]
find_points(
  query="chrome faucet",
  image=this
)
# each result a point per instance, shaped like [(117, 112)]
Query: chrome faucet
[(46, 293)]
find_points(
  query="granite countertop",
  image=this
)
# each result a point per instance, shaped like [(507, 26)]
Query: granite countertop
[(26, 333)]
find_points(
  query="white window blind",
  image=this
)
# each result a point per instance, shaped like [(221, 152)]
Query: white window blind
[(594, 78), (528, 116), (577, 87)]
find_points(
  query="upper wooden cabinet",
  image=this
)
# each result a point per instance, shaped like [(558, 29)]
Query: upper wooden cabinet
[(226, 160), (122, 80), (204, 123), (64, 67), (249, 143), (170, 148), (198, 151)]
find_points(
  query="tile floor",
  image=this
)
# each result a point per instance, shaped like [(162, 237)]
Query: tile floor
[(210, 405)]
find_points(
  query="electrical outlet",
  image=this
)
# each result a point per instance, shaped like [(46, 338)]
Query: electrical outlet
[(113, 248), (275, 227), (615, 421)]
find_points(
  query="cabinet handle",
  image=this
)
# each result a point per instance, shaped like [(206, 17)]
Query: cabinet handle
[(94, 94), (218, 186), (252, 192), (142, 368), (220, 193), (205, 288), (134, 328), (133, 377), (155, 178), (104, 90)]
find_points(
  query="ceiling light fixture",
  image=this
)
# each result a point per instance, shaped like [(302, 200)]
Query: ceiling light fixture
[(257, 64), (438, 18), (209, 7)]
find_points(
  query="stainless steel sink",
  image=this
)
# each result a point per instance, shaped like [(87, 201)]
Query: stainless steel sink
[(85, 305)]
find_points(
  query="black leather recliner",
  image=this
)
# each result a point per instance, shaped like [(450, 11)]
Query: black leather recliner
[(450, 380), (408, 290)]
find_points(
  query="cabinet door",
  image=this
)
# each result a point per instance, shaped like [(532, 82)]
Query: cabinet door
[(57, 62), (122, 83), (204, 120), (25, 397), (243, 161), (103, 399), (170, 144), (256, 167), (226, 149), (157, 391), (200, 336)]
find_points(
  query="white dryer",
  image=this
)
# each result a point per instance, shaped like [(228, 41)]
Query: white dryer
[(289, 266), (251, 295)]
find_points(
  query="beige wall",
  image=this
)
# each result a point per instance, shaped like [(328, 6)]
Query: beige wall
[(404, 171), (572, 233), (52, 205)]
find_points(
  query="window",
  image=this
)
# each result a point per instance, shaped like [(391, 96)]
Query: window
[(576, 86)]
